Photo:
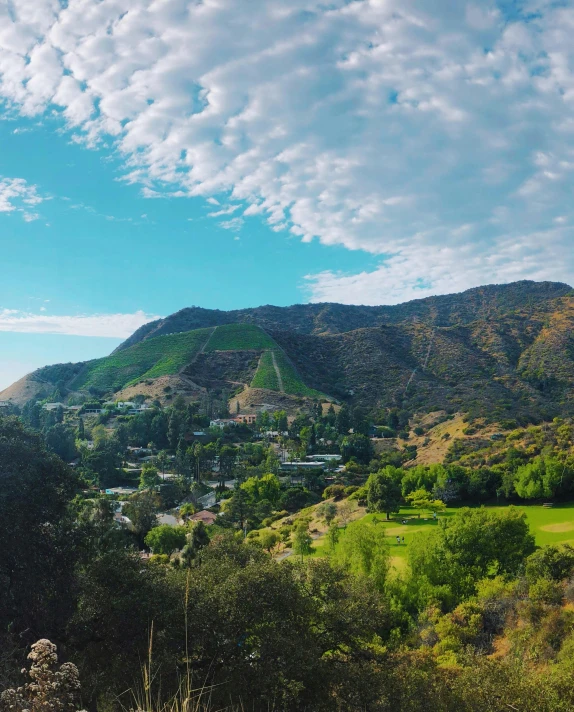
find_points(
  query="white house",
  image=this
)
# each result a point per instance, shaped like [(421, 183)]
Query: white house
[(221, 423)]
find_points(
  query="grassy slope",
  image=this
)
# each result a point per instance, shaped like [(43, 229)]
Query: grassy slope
[(238, 337), (148, 359), (167, 355), (265, 376)]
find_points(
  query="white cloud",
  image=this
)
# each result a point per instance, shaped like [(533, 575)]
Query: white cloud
[(111, 325), (439, 138), (16, 195), (235, 224)]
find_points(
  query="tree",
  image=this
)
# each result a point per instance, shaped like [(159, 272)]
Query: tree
[(343, 420), (141, 510), (268, 539), (60, 439), (81, 431), (38, 552), (357, 446), (239, 508), (267, 487), (471, 545), (327, 510), (302, 541), (162, 461), (165, 539), (364, 550), (551, 562), (148, 477), (195, 541), (421, 499), (383, 493), (345, 510), (333, 535)]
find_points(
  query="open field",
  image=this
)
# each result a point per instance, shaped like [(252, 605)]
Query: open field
[(550, 526)]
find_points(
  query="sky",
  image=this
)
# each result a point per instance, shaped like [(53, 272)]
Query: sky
[(158, 154)]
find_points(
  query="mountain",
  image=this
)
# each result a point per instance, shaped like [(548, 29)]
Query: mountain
[(498, 350), (480, 303)]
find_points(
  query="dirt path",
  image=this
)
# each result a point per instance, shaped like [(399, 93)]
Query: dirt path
[(208, 340), (278, 372)]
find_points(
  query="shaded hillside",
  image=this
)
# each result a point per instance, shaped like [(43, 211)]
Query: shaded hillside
[(487, 302)]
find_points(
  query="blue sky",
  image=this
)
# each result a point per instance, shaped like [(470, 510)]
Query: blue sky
[(156, 155)]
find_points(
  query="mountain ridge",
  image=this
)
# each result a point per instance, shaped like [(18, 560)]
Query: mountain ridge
[(331, 317), (495, 350)]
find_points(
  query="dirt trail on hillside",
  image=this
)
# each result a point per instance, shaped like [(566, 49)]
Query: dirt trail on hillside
[(278, 372)]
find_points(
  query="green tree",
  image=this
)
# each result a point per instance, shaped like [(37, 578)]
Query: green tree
[(60, 439), (141, 510), (471, 545), (165, 539), (196, 540), (38, 552), (364, 550), (162, 461), (266, 487), (421, 499), (268, 539), (149, 478), (239, 508), (327, 510), (383, 493), (302, 541), (343, 420), (333, 535), (357, 446)]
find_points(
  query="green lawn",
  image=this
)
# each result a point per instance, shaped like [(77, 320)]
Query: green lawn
[(549, 526)]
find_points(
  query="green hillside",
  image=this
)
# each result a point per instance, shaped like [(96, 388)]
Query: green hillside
[(266, 376), (239, 337), (167, 355), (162, 356)]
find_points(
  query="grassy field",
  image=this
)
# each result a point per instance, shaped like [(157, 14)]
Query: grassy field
[(549, 526), (265, 376), (162, 356), (236, 337)]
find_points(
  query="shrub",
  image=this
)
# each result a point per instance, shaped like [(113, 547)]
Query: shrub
[(49, 688)]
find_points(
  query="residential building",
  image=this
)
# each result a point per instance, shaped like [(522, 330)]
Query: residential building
[(248, 419), (204, 516), (221, 423)]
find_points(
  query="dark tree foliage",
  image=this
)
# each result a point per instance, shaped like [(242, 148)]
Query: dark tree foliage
[(37, 537)]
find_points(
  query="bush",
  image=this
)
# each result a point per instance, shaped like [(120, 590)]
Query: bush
[(337, 492)]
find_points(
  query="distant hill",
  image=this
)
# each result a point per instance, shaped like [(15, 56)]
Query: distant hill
[(447, 310), (496, 350)]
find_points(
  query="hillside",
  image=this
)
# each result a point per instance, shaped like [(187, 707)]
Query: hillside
[(210, 359), (497, 351), (487, 302)]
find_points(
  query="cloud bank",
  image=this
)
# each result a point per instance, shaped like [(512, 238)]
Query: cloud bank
[(438, 137), (118, 326)]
